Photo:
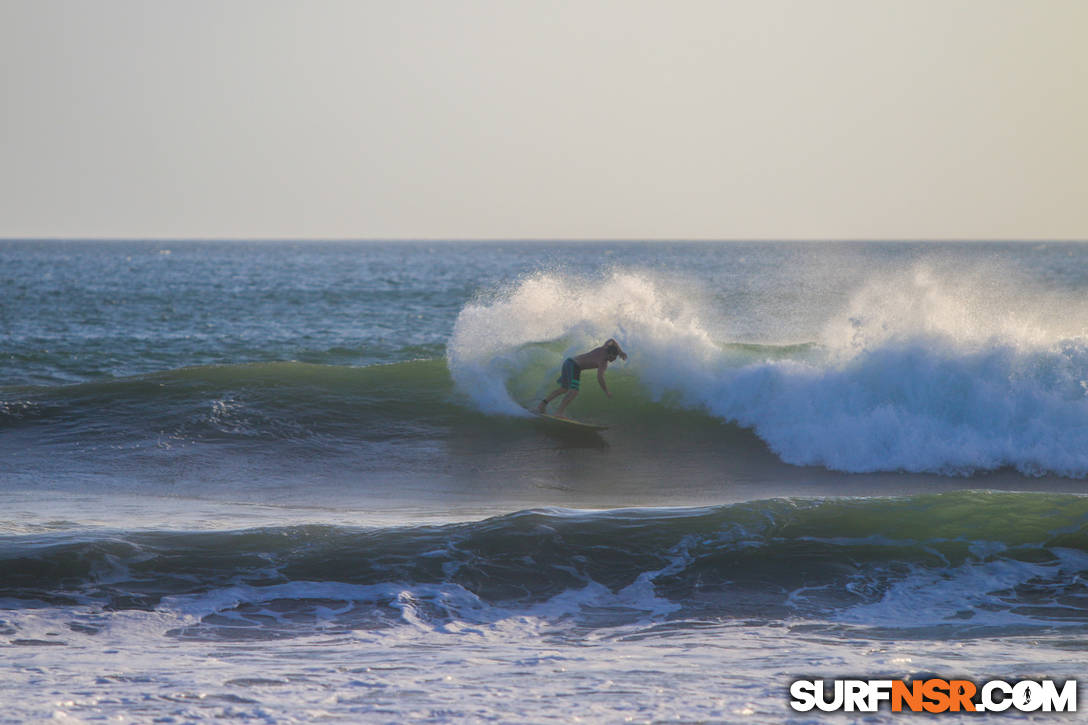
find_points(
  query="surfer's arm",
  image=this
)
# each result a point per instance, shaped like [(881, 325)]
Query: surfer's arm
[(600, 378)]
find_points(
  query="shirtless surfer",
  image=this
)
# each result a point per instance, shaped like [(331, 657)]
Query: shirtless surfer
[(570, 378)]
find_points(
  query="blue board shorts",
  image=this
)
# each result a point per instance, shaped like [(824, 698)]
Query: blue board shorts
[(571, 375)]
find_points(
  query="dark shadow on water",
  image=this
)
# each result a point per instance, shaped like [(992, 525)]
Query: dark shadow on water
[(664, 460), (571, 436)]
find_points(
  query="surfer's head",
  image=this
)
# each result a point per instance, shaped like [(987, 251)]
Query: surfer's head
[(612, 350)]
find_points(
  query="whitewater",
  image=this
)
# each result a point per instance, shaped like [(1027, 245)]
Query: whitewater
[(284, 482), (924, 370)]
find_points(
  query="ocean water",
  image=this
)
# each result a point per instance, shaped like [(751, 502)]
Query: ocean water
[(288, 482)]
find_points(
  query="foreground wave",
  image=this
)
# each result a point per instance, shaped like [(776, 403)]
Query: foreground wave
[(972, 561)]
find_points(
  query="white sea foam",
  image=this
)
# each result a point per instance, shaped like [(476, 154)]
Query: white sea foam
[(434, 608), (929, 369), (976, 593), (490, 335)]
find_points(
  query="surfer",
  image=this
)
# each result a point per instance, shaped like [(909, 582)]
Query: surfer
[(570, 377)]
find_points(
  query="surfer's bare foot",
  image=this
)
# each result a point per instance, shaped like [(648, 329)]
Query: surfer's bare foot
[(542, 407)]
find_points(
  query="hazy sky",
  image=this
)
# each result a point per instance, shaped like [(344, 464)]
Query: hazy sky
[(691, 119)]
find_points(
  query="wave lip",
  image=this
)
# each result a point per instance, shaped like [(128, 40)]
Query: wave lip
[(923, 371)]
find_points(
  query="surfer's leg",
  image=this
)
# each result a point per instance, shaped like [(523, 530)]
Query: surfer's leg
[(571, 395), (549, 398), (573, 384), (568, 378)]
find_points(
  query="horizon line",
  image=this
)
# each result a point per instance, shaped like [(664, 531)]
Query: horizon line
[(552, 240)]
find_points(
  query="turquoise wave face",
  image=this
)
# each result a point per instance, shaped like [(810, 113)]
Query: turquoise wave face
[(415, 416), (855, 562)]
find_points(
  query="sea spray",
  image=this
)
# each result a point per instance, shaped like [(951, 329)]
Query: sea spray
[(929, 369), (923, 371), (496, 337)]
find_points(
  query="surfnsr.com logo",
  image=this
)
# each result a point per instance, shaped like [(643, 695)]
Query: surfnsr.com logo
[(933, 695)]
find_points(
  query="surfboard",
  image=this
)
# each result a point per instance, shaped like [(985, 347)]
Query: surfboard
[(575, 424)]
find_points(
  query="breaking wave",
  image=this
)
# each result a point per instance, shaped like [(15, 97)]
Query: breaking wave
[(926, 371)]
